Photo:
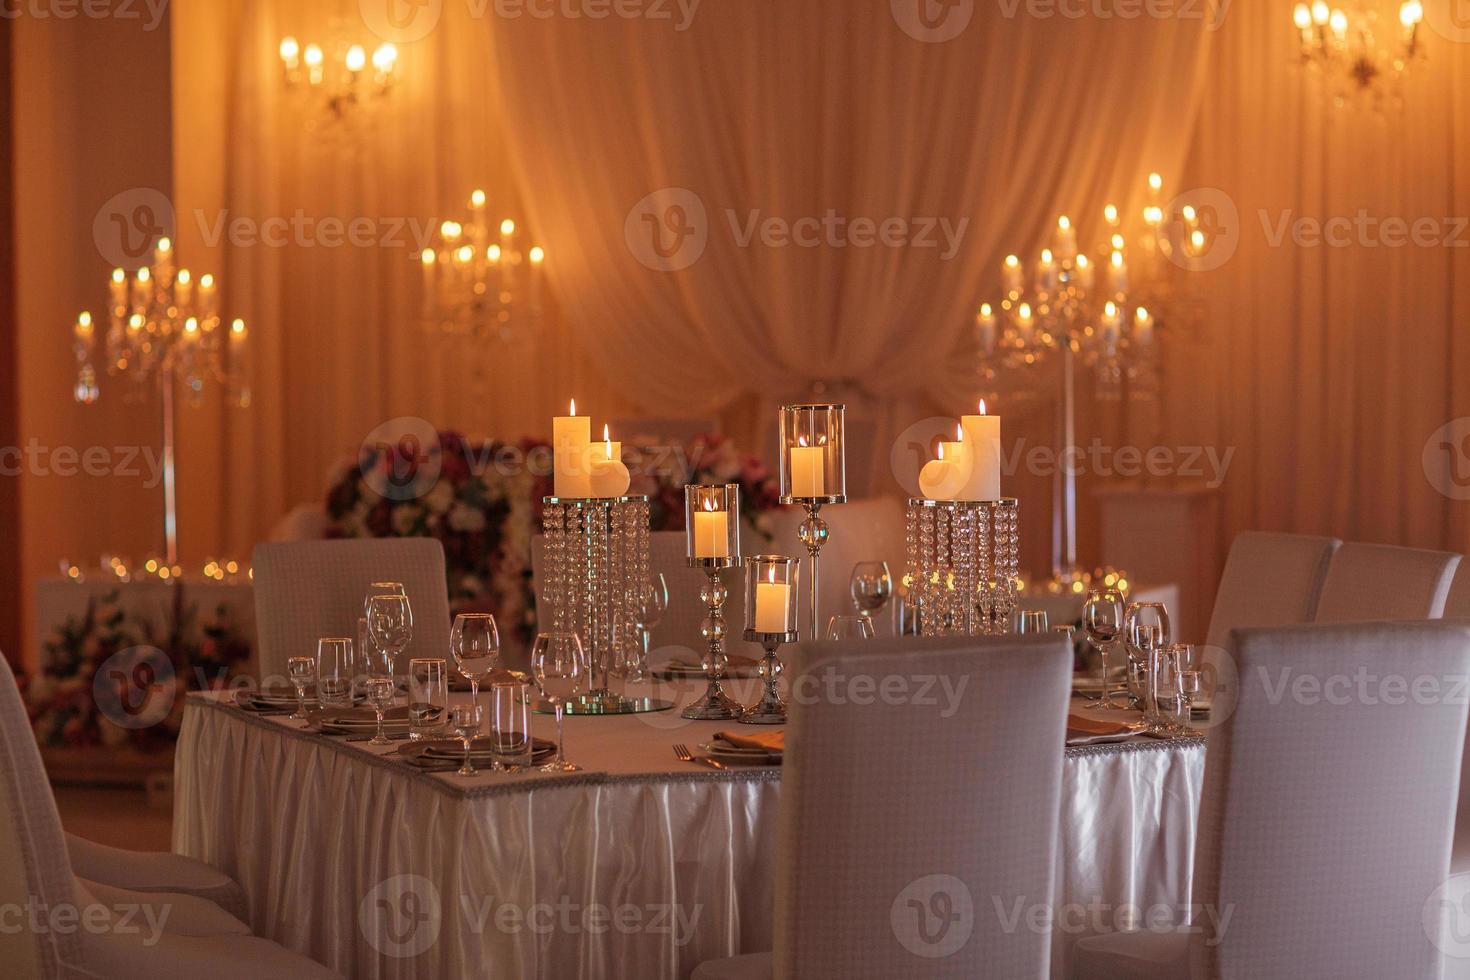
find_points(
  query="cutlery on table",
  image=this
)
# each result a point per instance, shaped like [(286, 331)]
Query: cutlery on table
[(682, 751)]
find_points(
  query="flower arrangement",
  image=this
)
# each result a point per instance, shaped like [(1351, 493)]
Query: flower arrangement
[(61, 697)]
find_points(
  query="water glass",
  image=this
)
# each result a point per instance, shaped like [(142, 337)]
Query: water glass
[(560, 668), (1102, 619), (335, 670), (428, 697), (301, 670), (380, 696), (464, 719), (1031, 621), (1146, 629), (849, 628), (510, 724)]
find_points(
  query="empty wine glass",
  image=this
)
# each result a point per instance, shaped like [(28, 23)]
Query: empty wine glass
[(380, 696), (1102, 618), (300, 670), (465, 720), (649, 606), (335, 670), (1146, 629), (871, 586), (559, 667), (475, 644), (390, 624), (849, 628), (1031, 621)]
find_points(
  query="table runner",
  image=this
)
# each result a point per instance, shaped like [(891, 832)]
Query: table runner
[(639, 866)]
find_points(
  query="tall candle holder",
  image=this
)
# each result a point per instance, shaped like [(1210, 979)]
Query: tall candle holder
[(963, 559), (596, 566), (770, 620), (712, 531), (813, 470)]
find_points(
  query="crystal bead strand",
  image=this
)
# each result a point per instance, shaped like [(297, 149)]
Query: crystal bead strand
[(964, 553), (985, 571), (928, 611)]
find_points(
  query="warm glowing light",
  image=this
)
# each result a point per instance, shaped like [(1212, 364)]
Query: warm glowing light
[(1338, 22), (1320, 11), (1117, 242), (1188, 212), (507, 227), (573, 409), (493, 253), (427, 256), (135, 322), (940, 451), (1411, 13), (1110, 213), (985, 309), (313, 55), (1046, 256), (1155, 182), (1064, 223), (1141, 315), (538, 254), (1110, 309), (191, 326), (84, 319), (1116, 260), (143, 274), (164, 245), (1153, 214), (183, 277), (982, 406), (477, 198), (450, 230), (464, 253), (356, 58), (1301, 17), (1197, 239), (384, 57), (206, 281), (118, 275), (1024, 311), (1012, 262), (959, 432), (771, 575), (290, 49), (237, 327), (1081, 261)]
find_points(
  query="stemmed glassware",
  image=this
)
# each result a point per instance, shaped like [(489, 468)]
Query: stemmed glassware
[(1102, 618), (465, 720), (335, 670), (648, 611), (390, 624), (849, 628), (1032, 621), (871, 587), (475, 644), (380, 696), (300, 670), (560, 669), (1189, 668), (1146, 627)]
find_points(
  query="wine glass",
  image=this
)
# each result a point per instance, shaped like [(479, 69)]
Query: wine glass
[(335, 670), (380, 696), (871, 587), (390, 624), (559, 667), (475, 644), (1032, 621), (1102, 618), (1146, 629), (849, 628), (465, 720), (649, 606), (300, 670)]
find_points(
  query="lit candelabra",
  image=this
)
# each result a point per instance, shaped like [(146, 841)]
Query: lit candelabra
[(342, 82), (1353, 49), (481, 279), (164, 327)]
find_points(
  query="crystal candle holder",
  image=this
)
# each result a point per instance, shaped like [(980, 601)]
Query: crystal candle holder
[(771, 583), (813, 468), (963, 559), (712, 534)]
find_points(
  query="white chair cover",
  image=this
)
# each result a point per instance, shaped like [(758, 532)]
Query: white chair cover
[(1269, 580), (1326, 811), (1384, 582), (1457, 603), (155, 871), (305, 590), (904, 818)]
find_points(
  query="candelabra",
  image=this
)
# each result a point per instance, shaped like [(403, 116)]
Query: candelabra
[(340, 84), (813, 465), (164, 327), (478, 287), (963, 564), (712, 531), (770, 620), (1352, 50)]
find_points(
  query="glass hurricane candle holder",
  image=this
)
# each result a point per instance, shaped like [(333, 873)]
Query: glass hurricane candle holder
[(770, 619), (712, 534), (813, 467)]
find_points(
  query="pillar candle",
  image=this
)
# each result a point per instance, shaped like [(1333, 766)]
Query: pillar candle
[(946, 477), (808, 471), (982, 436), (570, 436), (711, 533), (609, 477), (772, 604)]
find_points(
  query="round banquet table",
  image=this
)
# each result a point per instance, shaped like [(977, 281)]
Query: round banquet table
[(640, 865)]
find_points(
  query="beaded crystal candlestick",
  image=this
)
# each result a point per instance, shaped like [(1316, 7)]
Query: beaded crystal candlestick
[(770, 620), (596, 567), (813, 472), (712, 532), (963, 558)]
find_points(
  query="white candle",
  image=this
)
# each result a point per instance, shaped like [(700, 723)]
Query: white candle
[(772, 604), (1066, 239), (711, 532), (570, 436), (1143, 328), (982, 437), (808, 471), (1119, 274), (609, 477), (985, 322), (1011, 275), (945, 478)]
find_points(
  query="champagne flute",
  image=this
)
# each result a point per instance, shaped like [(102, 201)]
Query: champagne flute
[(300, 670), (1102, 618), (465, 720), (475, 644), (559, 667), (380, 696), (871, 587)]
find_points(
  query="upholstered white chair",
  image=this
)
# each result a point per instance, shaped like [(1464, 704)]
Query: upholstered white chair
[(1270, 579), (1457, 603), (305, 590), (1379, 581), (903, 822), (1325, 816), (167, 935)]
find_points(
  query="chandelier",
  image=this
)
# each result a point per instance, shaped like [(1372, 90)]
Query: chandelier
[(164, 327), (480, 279), (1352, 49), (339, 84)]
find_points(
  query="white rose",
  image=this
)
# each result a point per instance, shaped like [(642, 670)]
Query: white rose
[(463, 518), (439, 498), (406, 518)]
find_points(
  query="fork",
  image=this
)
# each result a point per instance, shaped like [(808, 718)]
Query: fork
[(682, 751)]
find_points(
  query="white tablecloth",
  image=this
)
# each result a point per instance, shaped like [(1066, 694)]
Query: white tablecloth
[(641, 866)]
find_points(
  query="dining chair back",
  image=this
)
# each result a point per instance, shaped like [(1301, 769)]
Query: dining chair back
[(911, 812), (1457, 603), (1382, 582), (1270, 579), (305, 590)]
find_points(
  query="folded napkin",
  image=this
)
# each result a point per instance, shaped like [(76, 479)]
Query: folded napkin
[(770, 741), (1076, 724)]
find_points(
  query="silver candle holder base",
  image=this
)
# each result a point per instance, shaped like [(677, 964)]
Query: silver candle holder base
[(771, 708), (963, 560), (813, 533), (714, 704)]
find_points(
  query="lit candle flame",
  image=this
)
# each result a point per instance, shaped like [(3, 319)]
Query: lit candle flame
[(982, 406), (573, 410)]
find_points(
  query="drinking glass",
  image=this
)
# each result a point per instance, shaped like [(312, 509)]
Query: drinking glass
[(428, 697), (1031, 621), (1164, 690), (300, 670), (849, 628), (1146, 627), (465, 720), (649, 607), (335, 669), (1189, 663), (474, 643), (871, 586), (390, 624), (380, 696), (1102, 618), (559, 667), (510, 724)]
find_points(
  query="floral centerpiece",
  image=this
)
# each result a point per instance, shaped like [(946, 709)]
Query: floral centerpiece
[(661, 471)]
